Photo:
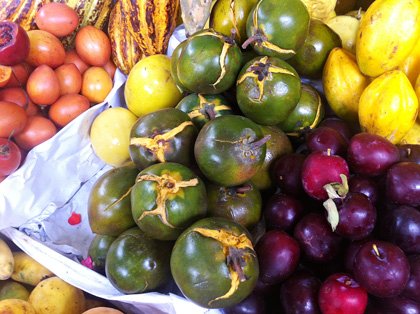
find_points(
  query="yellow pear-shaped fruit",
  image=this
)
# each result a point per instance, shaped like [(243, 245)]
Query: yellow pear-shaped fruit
[(346, 27), (388, 32), (343, 84), (413, 135), (411, 65), (388, 106)]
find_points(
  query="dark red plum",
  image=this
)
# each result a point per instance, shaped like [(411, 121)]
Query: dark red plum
[(381, 268), (299, 294), (398, 305), (412, 289), (339, 125), (278, 256), (282, 212), (324, 138), (370, 154), (286, 171), (316, 239), (410, 152), (350, 253), (252, 304), (340, 293), (364, 185), (403, 183)]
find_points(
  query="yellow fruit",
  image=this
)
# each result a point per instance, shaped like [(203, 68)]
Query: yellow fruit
[(346, 27), (320, 9), (417, 87), (413, 135), (150, 86), (388, 32), (102, 310), (16, 306), (54, 295), (110, 135), (27, 270), (6, 261), (411, 65), (388, 106), (343, 84)]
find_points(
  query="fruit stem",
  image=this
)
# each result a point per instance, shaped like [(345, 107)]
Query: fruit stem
[(375, 248), (258, 36), (209, 110), (260, 142), (243, 189)]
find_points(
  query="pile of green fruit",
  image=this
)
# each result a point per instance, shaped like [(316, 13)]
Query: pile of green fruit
[(249, 193)]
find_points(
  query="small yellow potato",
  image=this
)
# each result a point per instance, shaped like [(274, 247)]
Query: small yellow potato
[(16, 306), (27, 270)]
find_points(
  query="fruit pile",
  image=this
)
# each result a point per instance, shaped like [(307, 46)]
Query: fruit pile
[(44, 84), (28, 287), (253, 191)]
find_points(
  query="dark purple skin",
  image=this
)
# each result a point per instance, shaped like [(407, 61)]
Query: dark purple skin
[(350, 253), (252, 304), (282, 212), (278, 256), (381, 268), (299, 294), (370, 154), (357, 217), (324, 138), (364, 185), (286, 171), (339, 125), (398, 305), (403, 184), (409, 152), (401, 226), (412, 289), (316, 239)]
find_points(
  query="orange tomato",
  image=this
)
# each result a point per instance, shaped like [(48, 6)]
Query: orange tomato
[(43, 86), (93, 45), (96, 84), (38, 129), (67, 108), (73, 57), (69, 78), (12, 118)]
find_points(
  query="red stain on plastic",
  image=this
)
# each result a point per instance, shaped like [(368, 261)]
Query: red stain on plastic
[(74, 219)]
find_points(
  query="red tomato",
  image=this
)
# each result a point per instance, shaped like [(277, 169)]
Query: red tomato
[(10, 157), (73, 57), (93, 45), (12, 118), (69, 78), (57, 18), (67, 108), (37, 130)]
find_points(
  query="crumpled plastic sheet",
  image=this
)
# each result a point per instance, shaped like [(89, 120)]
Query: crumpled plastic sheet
[(37, 200)]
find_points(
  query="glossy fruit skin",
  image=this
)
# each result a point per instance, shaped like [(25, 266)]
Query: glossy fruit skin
[(16, 43), (110, 135), (252, 304), (36, 131), (45, 48), (198, 64), (364, 185), (401, 226), (10, 157), (409, 152), (43, 86), (308, 112), (182, 205), (384, 275), (203, 108), (340, 293), (13, 119), (98, 249), (299, 294), (150, 86), (286, 173), (267, 90), (93, 45), (67, 108), (324, 138), (201, 259), (136, 263), (398, 304), (73, 57), (241, 204), (402, 183), (412, 289), (311, 56), (224, 150), (320, 169), (278, 256), (96, 84), (109, 203), (370, 154), (176, 148), (57, 18), (69, 78), (316, 239), (282, 212), (340, 125), (285, 25)]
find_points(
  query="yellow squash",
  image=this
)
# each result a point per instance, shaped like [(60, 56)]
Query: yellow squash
[(16, 306), (413, 135), (388, 106), (343, 84), (411, 65), (388, 32), (417, 87)]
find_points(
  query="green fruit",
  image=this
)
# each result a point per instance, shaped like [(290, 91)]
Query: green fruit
[(109, 206), (203, 108), (308, 113), (98, 249), (136, 263), (214, 263), (229, 16), (267, 90), (241, 204), (278, 145), (229, 150), (161, 136), (13, 290), (207, 62), (166, 199), (311, 56), (277, 28)]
